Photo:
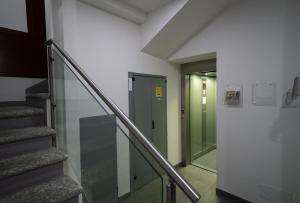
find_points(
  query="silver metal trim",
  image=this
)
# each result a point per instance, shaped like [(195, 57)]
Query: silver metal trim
[(295, 90), (165, 164), (171, 192), (51, 92)]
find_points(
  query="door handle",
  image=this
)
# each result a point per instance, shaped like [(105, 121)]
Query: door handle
[(153, 125)]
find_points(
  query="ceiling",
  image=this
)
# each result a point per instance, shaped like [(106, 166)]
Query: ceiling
[(186, 23), (132, 10), (146, 6)]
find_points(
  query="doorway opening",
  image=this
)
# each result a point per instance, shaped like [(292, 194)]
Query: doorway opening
[(199, 83), (203, 119)]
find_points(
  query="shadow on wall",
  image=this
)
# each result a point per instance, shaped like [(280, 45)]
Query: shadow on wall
[(287, 128)]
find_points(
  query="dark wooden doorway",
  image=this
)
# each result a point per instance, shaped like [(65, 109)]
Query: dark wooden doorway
[(23, 54)]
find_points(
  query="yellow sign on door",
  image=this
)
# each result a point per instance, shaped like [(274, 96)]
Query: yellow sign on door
[(158, 91)]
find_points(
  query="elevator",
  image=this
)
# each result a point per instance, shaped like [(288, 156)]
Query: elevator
[(202, 119), (199, 96)]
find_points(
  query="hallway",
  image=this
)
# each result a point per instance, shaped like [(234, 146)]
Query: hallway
[(203, 181), (207, 160)]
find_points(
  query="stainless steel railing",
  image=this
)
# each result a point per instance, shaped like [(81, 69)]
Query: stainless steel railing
[(138, 135)]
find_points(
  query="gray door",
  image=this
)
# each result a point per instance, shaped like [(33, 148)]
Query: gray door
[(148, 112)]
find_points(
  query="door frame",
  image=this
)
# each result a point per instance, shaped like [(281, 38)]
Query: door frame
[(131, 117), (187, 69)]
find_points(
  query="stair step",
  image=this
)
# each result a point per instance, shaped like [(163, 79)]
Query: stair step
[(38, 95), (25, 140), (15, 117), (38, 100), (19, 111), (15, 135), (20, 164), (60, 189)]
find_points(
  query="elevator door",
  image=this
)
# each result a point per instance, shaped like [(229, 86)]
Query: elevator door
[(203, 120), (148, 111)]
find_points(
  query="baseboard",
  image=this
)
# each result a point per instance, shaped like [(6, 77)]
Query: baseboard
[(179, 165), (231, 196), (124, 197)]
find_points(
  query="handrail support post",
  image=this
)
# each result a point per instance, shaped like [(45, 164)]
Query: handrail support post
[(171, 192), (51, 89)]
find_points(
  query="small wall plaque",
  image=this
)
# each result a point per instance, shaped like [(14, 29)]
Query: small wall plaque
[(264, 94), (233, 95)]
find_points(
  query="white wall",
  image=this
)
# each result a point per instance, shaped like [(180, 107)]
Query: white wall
[(54, 20), (13, 89), (108, 48), (158, 19), (13, 15), (258, 147)]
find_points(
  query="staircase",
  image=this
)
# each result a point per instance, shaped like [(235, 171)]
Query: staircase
[(31, 169)]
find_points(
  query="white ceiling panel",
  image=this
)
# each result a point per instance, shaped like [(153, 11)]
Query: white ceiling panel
[(119, 8), (185, 24), (146, 5)]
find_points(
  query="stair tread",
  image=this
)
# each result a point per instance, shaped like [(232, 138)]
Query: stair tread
[(19, 111), (22, 163), (39, 95), (55, 190), (13, 135)]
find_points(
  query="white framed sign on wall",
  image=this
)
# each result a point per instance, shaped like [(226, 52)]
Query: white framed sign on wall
[(264, 94)]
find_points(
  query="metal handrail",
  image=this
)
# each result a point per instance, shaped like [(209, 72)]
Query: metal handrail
[(165, 164)]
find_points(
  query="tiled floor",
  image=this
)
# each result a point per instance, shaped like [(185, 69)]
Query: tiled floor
[(203, 181), (207, 160)]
